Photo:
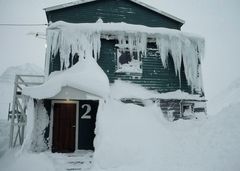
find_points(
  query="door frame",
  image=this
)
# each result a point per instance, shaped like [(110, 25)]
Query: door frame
[(52, 117)]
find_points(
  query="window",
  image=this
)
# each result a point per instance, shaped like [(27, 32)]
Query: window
[(128, 62)]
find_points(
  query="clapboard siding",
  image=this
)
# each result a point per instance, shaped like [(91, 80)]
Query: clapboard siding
[(154, 76), (112, 11)]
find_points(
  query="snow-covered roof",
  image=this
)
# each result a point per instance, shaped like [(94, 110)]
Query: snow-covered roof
[(78, 2), (85, 75), (84, 39)]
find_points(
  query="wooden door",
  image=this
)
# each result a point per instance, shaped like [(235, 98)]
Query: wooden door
[(64, 127)]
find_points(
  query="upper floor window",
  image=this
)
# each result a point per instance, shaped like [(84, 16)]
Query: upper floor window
[(128, 62)]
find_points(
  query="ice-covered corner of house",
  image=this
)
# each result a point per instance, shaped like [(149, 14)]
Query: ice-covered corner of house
[(85, 75)]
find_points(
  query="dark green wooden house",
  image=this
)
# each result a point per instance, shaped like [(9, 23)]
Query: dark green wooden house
[(74, 118)]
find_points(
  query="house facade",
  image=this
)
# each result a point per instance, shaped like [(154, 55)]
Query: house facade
[(127, 38)]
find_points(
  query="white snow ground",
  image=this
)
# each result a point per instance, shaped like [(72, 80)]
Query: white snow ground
[(138, 138), (229, 96), (131, 137)]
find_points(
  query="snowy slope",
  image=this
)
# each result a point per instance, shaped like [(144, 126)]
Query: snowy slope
[(6, 84), (4, 138), (131, 137), (231, 95), (138, 138)]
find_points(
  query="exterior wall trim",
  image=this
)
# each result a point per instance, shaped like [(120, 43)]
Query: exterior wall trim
[(78, 2)]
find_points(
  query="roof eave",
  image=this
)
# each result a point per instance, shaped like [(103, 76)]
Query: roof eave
[(61, 6)]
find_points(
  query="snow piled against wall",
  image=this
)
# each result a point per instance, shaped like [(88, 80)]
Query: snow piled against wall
[(84, 39), (131, 137), (138, 138), (41, 121), (123, 89), (230, 95), (7, 84)]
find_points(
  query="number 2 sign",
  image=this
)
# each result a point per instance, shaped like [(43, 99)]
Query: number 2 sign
[(88, 110)]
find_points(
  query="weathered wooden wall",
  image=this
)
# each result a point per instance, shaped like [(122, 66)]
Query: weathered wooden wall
[(154, 76), (112, 11)]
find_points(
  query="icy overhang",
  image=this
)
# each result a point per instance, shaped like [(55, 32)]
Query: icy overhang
[(85, 76), (84, 39)]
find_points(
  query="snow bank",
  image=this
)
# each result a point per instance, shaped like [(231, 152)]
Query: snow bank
[(229, 96), (86, 76), (28, 68), (121, 141), (37, 121), (13, 161), (4, 136), (84, 39), (30, 125), (122, 89), (130, 137), (7, 84)]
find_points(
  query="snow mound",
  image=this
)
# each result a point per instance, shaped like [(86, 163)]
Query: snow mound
[(229, 96), (4, 137), (123, 89), (9, 74), (130, 137), (85, 75), (7, 83)]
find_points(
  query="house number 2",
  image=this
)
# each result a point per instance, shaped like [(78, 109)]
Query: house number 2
[(85, 115)]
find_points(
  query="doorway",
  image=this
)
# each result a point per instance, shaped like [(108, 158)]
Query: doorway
[(64, 127)]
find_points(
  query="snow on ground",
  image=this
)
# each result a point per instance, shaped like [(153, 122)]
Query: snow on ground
[(131, 137), (139, 138), (4, 138), (231, 95), (7, 81), (118, 91)]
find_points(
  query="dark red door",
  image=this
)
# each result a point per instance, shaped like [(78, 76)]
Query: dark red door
[(64, 127)]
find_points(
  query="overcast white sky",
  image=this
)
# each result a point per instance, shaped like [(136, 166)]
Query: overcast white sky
[(216, 20)]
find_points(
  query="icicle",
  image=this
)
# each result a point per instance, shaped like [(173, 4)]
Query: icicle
[(141, 44), (163, 48), (131, 39), (85, 40)]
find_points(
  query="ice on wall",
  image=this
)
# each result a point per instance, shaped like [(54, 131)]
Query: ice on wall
[(41, 121), (37, 121), (85, 40)]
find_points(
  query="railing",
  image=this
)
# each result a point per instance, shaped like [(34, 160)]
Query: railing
[(17, 115)]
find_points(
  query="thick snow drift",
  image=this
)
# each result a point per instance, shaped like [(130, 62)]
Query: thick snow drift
[(229, 96), (122, 89), (130, 137), (138, 138), (84, 39), (7, 83), (86, 76)]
